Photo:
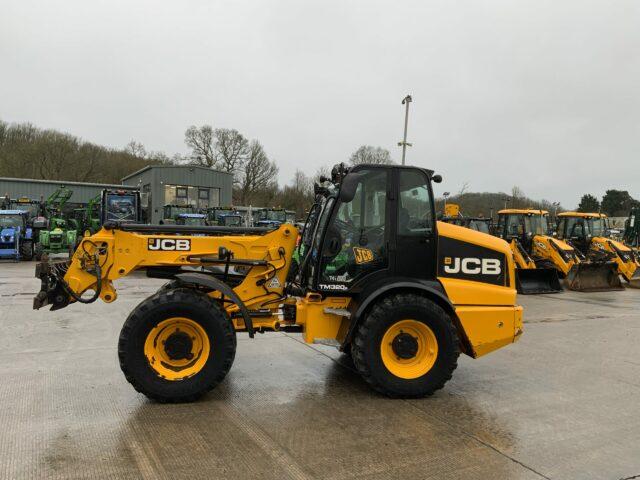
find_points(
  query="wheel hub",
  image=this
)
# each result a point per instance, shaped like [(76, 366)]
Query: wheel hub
[(178, 346), (405, 346)]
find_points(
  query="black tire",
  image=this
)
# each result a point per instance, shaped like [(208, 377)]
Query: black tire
[(180, 302), (366, 346), (26, 250), (38, 251)]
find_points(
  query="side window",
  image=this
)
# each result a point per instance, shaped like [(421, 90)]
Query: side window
[(415, 216), (354, 242), (561, 228)]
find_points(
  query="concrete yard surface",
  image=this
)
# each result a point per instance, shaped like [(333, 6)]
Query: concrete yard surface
[(563, 403)]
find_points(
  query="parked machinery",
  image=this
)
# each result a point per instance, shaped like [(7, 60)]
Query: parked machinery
[(537, 254), (631, 234), (453, 215), (223, 217), (408, 295), (16, 236), (58, 236), (192, 219), (589, 233), (170, 213), (270, 217)]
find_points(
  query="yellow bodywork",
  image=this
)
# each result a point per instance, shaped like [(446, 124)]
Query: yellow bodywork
[(487, 315), (546, 247), (624, 257)]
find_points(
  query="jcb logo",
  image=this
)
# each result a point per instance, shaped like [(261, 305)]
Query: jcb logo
[(472, 266), (169, 244), (362, 255)]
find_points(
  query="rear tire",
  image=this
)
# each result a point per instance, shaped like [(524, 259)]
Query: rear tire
[(370, 350), (26, 250), (166, 305)]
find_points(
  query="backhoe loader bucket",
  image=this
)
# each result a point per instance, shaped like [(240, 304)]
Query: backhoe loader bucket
[(635, 280), (533, 281), (594, 277)]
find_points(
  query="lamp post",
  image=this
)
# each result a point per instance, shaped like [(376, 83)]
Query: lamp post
[(404, 144), (506, 200)]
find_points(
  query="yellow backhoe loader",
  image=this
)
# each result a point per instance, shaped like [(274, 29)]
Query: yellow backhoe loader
[(537, 253), (589, 233), (376, 276)]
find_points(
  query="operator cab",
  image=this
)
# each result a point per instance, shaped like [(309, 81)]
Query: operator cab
[(371, 225), (522, 225), (580, 228)]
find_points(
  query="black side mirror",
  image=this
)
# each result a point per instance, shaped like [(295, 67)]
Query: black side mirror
[(349, 186), (436, 178)]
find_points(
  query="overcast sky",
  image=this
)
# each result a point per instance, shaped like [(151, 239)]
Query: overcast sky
[(540, 94)]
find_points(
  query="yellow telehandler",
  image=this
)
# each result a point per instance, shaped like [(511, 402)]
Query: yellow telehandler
[(375, 276), (589, 233), (538, 254)]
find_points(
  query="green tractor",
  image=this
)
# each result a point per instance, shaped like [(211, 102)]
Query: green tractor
[(59, 236), (88, 218)]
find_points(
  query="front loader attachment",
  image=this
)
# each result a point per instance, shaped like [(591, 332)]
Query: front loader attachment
[(634, 282), (594, 277), (533, 281)]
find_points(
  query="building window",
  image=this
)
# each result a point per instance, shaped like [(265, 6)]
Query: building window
[(199, 197)]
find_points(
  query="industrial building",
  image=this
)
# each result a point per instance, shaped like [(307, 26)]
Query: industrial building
[(162, 185), (41, 189)]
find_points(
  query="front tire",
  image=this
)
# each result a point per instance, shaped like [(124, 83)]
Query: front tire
[(406, 346), (177, 345)]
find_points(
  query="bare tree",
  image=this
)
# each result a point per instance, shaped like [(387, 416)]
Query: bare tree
[(202, 142), (464, 188), (322, 171), (369, 154), (136, 149), (259, 173), (231, 150)]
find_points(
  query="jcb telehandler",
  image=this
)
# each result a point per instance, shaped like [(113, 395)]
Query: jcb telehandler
[(541, 259), (407, 296), (589, 233)]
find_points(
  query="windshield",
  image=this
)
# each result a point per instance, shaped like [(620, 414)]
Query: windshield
[(479, 225), (231, 220), (537, 224), (9, 221), (175, 211), (32, 208), (596, 227), (191, 221), (274, 215)]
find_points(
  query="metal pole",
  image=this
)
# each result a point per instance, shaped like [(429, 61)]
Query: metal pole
[(405, 101)]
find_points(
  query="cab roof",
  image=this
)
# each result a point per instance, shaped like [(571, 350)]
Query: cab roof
[(192, 215), (582, 214), (13, 212), (523, 211)]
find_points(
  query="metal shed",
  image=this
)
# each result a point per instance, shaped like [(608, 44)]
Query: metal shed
[(162, 185), (37, 189)]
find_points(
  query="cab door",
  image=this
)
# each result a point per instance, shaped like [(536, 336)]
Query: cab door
[(414, 226)]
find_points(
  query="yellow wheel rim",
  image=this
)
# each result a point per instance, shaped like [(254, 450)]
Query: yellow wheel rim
[(409, 349), (177, 348)]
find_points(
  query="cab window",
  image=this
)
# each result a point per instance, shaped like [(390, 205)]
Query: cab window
[(354, 243), (415, 216)]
